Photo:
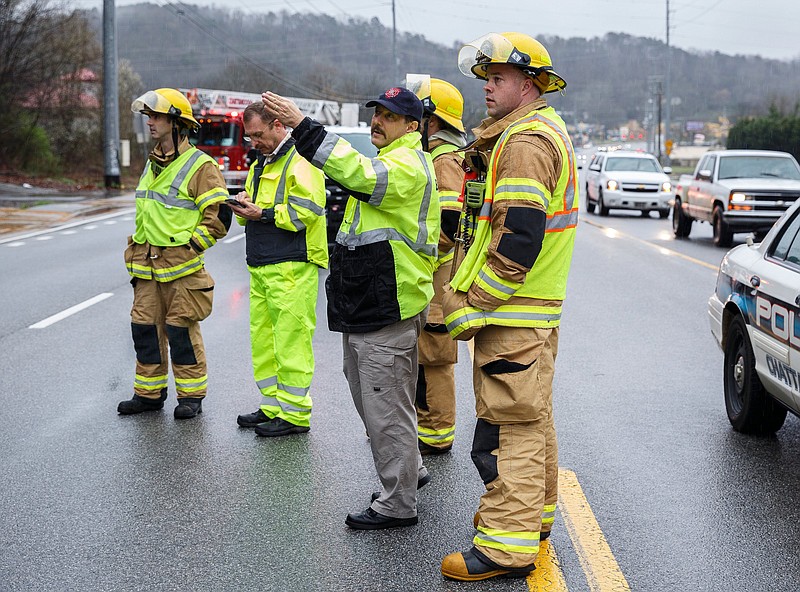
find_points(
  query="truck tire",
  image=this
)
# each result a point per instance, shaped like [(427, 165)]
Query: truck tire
[(723, 237), (751, 410), (681, 223), (601, 206)]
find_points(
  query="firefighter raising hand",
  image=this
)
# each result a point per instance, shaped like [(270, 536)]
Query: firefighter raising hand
[(283, 109)]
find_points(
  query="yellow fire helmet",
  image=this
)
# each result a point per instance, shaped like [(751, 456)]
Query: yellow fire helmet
[(516, 49), (439, 98), (169, 101)]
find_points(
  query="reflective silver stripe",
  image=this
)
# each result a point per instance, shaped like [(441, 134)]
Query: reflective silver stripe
[(325, 150), (307, 204), (382, 234), (548, 515), (289, 408), (351, 239), (569, 195), (202, 234), (280, 190), (151, 383), (267, 382), (217, 194), (503, 540), (449, 435), (495, 284), (297, 391), (562, 221), (522, 189), (159, 273), (523, 316), (448, 198), (166, 200), (185, 384), (295, 219), (182, 174), (422, 235), (271, 401), (381, 182)]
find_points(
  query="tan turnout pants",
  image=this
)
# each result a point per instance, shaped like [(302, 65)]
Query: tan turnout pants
[(515, 448), (165, 320)]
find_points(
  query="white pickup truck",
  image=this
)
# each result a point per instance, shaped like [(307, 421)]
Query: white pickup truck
[(736, 191)]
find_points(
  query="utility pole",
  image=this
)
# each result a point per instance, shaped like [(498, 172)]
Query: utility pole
[(394, 47), (110, 99), (668, 95)]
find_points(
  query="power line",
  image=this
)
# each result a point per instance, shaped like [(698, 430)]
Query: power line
[(182, 10)]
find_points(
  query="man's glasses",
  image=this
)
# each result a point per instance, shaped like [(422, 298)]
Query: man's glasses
[(256, 135)]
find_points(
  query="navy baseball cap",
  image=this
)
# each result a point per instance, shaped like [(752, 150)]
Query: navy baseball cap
[(401, 101)]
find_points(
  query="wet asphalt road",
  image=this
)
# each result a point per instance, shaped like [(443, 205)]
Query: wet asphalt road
[(93, 501)]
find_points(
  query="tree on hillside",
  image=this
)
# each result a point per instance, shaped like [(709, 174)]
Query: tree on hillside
[(47, 57), (775, 131)]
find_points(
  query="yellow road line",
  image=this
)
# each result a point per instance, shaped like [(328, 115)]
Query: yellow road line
[(602, 571), (663, 250), (547, 577)]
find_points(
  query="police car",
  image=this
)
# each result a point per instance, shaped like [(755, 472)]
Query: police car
[(755, 317)]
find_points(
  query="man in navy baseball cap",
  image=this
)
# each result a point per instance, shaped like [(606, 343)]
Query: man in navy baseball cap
[(401, 101), (398, 111)]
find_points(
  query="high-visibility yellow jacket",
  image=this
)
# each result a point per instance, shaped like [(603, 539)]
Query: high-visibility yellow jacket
[(383, 260), (498, 268), (176, 216), (292, 228)]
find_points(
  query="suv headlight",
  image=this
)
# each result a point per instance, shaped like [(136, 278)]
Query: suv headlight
[(666, 187), (612, 185)]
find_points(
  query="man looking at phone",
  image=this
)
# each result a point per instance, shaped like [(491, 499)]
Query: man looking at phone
[(283, 211)]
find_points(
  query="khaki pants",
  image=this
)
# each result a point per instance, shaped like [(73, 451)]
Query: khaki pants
[(165, 319), (436, 385), (515, 448), (381, 370)]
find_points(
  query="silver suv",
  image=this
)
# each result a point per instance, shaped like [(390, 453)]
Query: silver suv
[(629, 181)]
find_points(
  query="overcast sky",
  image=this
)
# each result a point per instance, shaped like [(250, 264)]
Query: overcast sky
[(770, 28)]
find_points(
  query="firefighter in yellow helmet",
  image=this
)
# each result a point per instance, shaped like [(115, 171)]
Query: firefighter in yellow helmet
[(177, 205), (444, 138), (518, 228)]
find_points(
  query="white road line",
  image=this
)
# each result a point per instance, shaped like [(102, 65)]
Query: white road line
[(45, 237), (227, 241), (70, 311), (23, 237)]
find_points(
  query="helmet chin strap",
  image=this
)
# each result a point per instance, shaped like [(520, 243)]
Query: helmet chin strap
[(174, 114), (175, 137)]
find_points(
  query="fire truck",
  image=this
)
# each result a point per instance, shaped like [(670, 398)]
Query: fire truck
[(221, 133)]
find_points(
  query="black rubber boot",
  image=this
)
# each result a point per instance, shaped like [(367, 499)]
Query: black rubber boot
[(139, 404), (188, 407)]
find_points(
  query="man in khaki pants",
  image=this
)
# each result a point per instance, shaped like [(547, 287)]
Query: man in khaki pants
[(507, 293), (443, 138)]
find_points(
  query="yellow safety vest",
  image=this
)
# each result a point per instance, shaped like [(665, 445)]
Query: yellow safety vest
[(547, 280), (167, 216)]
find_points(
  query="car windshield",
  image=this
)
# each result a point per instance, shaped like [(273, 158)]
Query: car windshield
[(361, 142), (735, 167), (618, 163)]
